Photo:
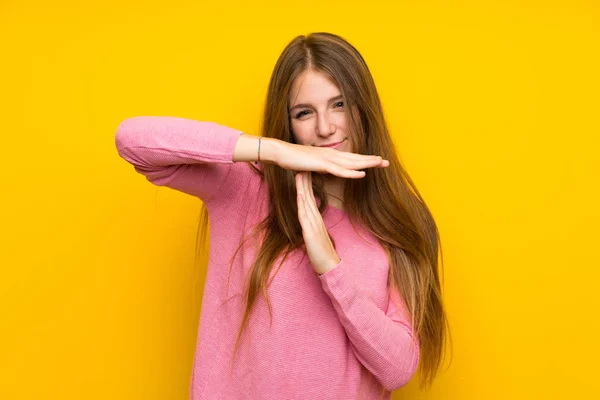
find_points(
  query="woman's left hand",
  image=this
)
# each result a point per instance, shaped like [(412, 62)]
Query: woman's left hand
[(319, 248)]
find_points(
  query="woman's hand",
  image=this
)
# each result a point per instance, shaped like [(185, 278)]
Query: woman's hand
[(319, 248), (298, 157)]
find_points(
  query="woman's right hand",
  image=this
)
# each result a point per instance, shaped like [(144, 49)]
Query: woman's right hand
[(326, 160)]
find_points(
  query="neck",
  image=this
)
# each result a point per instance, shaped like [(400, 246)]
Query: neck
[(334, 187)]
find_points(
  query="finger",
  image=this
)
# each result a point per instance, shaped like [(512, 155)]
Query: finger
[(311, 202), (383, 164), (360, 164), (336, 170), (302, 185), (306, 205), (301, 192), (314, 217), (309, 187), (301, 210), (300, 201), (306, 191), (357, 156), (299, 185), (361, 157)]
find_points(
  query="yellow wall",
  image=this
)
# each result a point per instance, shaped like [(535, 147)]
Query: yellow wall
[(496, 114)]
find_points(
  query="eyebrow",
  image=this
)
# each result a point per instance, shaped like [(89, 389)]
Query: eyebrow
[(338, 97)]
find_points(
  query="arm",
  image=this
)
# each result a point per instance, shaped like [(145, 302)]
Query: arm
[(246, 149), (187, 155), (383, 341)]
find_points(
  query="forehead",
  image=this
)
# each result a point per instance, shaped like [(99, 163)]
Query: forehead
[(312, 87)]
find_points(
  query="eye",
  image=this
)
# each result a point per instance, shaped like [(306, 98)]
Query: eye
[(302, 113), (339, 104)]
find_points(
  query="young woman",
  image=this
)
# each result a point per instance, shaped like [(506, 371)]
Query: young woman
[(322, 279)]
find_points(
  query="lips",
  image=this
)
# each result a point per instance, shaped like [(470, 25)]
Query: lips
[(331, 144)]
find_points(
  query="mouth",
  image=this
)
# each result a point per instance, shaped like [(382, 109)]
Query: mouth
[(333, 144)]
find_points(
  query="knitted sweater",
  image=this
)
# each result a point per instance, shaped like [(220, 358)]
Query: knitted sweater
[(340, 335)]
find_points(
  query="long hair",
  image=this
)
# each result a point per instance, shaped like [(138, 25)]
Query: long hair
[(385, 201)]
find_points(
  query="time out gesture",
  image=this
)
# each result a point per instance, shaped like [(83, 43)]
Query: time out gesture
[(319, 248), (303, 159)]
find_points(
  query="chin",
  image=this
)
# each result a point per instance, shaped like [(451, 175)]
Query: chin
[(345, 148)]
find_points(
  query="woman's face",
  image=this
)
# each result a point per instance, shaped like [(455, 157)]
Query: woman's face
[(317, 112)]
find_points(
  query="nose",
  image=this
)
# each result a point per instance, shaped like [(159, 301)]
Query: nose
[(325, 127)]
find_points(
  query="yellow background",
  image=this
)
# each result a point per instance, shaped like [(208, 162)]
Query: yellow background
[(494, 107)]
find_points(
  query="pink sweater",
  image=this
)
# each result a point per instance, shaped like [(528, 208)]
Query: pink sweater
[(341, 335)]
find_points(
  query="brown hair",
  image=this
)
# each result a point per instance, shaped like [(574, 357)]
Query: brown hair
[(411, 242)]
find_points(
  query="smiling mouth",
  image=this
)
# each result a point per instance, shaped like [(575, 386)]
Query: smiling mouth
[(332, 144)]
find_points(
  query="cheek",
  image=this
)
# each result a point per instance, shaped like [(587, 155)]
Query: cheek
[(301, 131), (340, 120)]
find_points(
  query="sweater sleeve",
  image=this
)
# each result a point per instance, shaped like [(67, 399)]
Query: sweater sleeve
[(383, 341), (191, 156)]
